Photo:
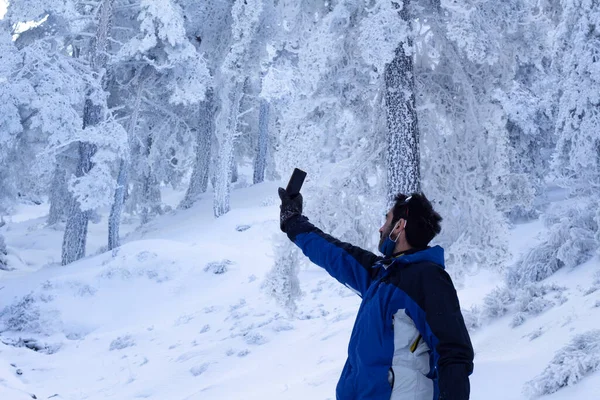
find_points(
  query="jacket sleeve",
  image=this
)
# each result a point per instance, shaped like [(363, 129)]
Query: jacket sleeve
[(449, 334), (348, 264)]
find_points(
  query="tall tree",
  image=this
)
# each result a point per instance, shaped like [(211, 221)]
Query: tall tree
[(402, 151), (116, 209), (204, 133), (230, 78), (260, 161), (75, 236)]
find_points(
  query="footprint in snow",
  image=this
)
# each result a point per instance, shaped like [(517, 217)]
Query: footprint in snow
[(199, 369), (255, 339), (243, 353), (242, 228), (122, 342)]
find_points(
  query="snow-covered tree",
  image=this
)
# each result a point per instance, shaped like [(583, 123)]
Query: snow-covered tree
[(204, 132), (230, 77), (103, 142), (465, 63), (166, 76)]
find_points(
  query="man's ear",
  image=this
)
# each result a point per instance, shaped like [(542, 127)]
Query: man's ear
[(400, 225)]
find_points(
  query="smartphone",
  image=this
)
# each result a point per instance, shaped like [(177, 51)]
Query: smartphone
[(295, 183)]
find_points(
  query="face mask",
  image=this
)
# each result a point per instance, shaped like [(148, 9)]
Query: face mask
[(388, 245)]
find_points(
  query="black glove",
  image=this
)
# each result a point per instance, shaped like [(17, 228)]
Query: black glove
[(290, 207)]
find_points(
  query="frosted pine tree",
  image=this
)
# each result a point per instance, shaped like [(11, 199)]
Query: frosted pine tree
[(57, 82), (74, 240)]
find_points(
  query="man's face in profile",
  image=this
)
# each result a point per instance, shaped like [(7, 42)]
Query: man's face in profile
[(386, 228)]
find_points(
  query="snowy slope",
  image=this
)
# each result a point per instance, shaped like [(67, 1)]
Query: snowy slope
[(148, 321)]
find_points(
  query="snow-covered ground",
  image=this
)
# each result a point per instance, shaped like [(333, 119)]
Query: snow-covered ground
[(151, 320)]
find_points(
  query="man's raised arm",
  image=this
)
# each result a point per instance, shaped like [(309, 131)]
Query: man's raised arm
[(349, 264)]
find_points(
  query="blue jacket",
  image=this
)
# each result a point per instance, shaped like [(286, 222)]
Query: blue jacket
[(409, 339)]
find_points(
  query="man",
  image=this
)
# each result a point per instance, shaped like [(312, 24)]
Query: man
[(409, 340)]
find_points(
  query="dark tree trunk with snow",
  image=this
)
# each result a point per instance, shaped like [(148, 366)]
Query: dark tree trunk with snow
[(114, 219), (204, 135), (227, 120), (234, 170), (150, 189), (403, 158), (260, 162), (74, 240), (58, 195), (3, 254)]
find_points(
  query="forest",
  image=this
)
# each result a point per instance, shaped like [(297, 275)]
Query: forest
[(490, 108)]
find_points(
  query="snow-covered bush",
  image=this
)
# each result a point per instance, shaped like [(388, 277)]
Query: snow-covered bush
[(472, 317), (536, 264), (595, 285), (527, 301), (27, 315), (569, 365), (282, 281), (33, 344), (534, 299), (22, 315), (497, 303), (570, 241)]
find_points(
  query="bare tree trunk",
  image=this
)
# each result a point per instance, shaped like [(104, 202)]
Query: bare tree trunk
[(260, 162), (403, 157)]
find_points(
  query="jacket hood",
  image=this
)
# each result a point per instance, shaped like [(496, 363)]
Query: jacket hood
[(433, 254)]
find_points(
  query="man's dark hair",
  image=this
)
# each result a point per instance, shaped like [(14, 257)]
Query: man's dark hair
[(422, 221)]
